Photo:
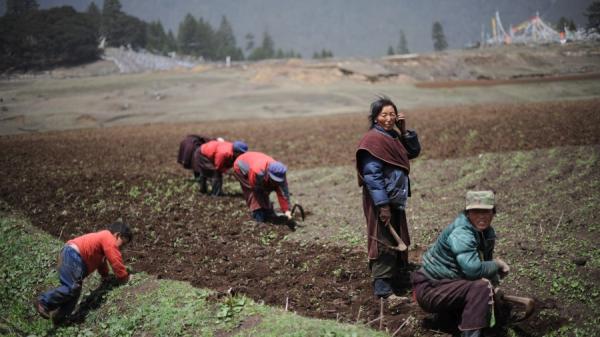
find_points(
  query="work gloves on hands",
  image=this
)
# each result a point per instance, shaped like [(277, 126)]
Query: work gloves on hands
[(385, 215), (503, 267)]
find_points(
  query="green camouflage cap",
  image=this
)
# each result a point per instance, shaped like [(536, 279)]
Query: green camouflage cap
[(480, 200)]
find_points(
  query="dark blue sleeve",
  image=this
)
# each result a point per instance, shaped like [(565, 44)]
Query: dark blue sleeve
[(371, 169), (411, 144)]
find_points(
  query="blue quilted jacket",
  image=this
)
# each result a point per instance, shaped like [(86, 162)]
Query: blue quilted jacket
[(462, 252), (386, 182)]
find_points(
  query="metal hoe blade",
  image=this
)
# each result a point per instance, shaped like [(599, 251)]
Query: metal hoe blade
[(299, 208)]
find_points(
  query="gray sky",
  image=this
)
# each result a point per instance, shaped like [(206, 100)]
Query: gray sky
[(348, 27)]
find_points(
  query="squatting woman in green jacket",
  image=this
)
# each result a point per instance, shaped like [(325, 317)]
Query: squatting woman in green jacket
[(459, 271)]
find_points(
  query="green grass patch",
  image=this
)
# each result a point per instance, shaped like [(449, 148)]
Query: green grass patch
[(144, 306)]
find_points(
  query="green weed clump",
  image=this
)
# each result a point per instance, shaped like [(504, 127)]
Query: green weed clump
[(27, 256)]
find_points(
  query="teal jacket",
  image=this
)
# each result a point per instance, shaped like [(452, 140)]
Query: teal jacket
[(462, 252)]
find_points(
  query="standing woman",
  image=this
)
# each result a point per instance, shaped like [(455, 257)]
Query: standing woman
[(383, 167)]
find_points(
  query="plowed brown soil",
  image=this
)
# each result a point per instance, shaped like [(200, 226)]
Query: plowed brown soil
[(74, 182)]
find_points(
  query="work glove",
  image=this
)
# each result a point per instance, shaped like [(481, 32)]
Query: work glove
[(503, 267), (385, 215)]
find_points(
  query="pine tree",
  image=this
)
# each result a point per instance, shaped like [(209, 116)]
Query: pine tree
[(121, 29), (402, 45), (20, 7), (593, 15), (156, 38), (111, 8), (266, 49), (225, 41), (390, 50), (268, 46), (205, 40), (93, 9), (186, 36), (562, 24), (109, 27), (292, 54), (439, 39), (279, 54), (171, 41), (249, 42), (95, 15)]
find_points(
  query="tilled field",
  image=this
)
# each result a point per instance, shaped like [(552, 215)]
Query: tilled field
[(74, 182)]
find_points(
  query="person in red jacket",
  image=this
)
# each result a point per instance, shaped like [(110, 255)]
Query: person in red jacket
[(79, 258), (259, 175), (214, 158)]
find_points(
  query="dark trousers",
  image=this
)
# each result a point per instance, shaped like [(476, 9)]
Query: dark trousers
[(71, 272), (216, 181), (204, 169), (473, 300), (390, 262)]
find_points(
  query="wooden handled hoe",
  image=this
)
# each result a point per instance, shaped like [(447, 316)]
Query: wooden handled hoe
[(527, 303), (401, 245), (300, 209)]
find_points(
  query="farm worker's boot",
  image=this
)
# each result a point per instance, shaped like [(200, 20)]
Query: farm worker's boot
[(382, 287), (259, 215), (216, 186), (202, 181)]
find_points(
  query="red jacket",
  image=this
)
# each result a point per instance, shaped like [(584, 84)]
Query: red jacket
[(96, 248), (220, 153), (253, 165)]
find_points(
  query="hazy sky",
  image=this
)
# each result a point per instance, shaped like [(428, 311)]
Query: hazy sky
[(348, 27)]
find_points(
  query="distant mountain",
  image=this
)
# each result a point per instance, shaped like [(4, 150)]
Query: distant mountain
[(348, 27)]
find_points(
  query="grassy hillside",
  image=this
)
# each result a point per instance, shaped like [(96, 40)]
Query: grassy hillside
[(145, 306)]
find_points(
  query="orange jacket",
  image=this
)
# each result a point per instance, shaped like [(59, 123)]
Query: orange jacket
[(96, 248), (220, 153), (254, 165)]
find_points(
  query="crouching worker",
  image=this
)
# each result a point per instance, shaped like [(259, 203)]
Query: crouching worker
[(259, 175), (79, 258), (212, 159), (459, 271), (187, 147)]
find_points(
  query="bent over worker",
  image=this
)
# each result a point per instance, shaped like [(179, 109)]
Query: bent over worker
[(259, 175), (459, 271), (79, 258), (212, 159), (187, 147)]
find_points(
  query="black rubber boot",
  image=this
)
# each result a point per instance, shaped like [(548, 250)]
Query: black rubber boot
[(216, 187), (202, 182), (382, 287)]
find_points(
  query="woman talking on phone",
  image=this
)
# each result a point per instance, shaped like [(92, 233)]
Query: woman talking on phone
[(383, 167)]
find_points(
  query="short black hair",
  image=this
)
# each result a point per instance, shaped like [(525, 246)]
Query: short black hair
[(122, 229), (377, 106)]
